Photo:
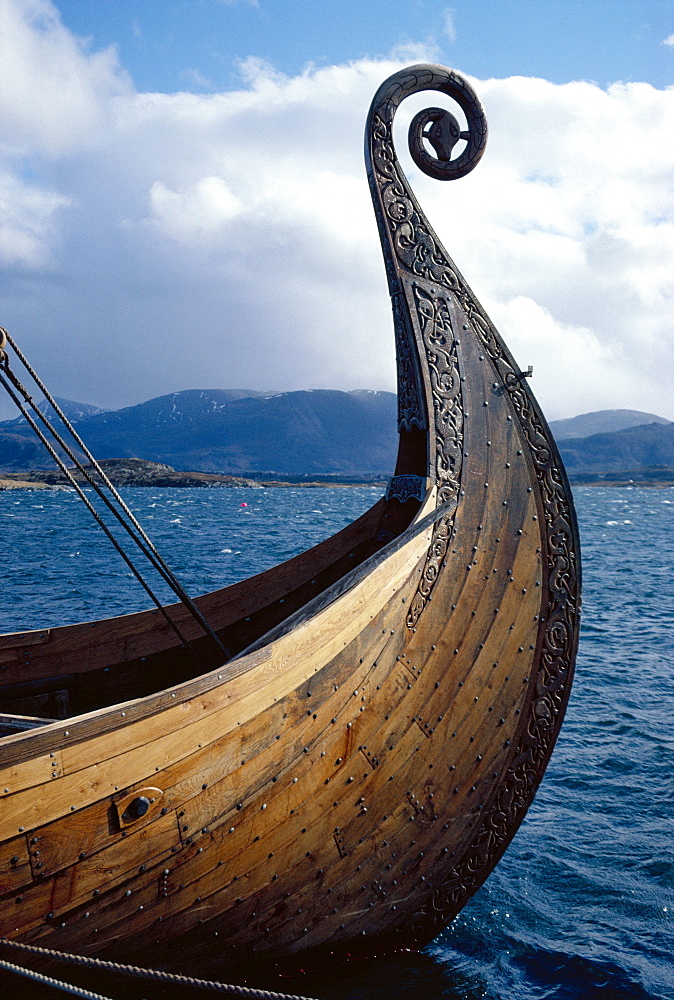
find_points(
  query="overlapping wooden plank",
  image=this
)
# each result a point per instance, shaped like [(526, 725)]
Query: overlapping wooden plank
[(48, 900), (294, 659), (15, 868), (35, 771)]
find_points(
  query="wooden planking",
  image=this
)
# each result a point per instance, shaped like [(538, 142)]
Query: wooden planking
[(185, 895), (89, 845), (324, 775), (80, 834), (330, 620), (342, 883), (15, 868), (100, 721), (294, 659), (34, 771), (256, 903), (93, 829), (316, 731), (348, 695), (19, 640), (51, 899), (359, 790), (205, 908), (316, 735)]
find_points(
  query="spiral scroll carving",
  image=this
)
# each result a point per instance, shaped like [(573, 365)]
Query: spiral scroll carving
[(433, 317), (401, 222)]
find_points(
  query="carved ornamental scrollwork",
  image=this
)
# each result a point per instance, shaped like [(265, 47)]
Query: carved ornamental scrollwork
[(411, 408), (434, 323), (411, 247), (425, 340), (404, 488)]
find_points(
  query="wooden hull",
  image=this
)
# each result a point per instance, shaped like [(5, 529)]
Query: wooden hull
[(357, 768)]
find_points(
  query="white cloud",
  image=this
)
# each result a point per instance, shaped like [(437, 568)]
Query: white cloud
[(200, 212), (566, 358), (27, 224), (169, 241), (448, 24), (55, 94), (669, 40)]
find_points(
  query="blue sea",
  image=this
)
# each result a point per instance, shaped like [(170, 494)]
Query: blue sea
[(582, 905)]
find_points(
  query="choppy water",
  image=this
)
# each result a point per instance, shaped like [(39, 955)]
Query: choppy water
[(581, 907)]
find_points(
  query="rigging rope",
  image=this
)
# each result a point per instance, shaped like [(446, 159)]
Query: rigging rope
[(85, 500), (58, 984), (153, 974), (141, 539)]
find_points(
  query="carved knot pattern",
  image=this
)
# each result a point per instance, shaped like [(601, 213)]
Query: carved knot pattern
[(411, 411), (416, 247), (406, 487), (441, 357)]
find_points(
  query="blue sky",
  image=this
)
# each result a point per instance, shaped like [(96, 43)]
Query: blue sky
[(168, 45), (184, 200)]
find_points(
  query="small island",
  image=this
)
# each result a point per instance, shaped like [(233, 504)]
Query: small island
[(123, 472), (140, 472)]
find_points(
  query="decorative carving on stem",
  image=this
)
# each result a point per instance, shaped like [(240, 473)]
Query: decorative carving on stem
[(429, 380), (403, 488), (433, 321), (410, 246)]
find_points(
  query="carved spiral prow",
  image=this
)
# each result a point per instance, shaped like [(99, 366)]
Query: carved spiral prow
[(410, 247), (436, 125)]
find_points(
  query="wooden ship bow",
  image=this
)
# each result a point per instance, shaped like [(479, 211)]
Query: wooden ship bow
[(495, 615), (343, 769)]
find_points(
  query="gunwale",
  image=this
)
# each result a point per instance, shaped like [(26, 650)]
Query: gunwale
[(222, 605), (25, 745), (183, 718)]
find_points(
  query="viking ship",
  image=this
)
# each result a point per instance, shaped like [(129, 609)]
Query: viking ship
[(346, 751)]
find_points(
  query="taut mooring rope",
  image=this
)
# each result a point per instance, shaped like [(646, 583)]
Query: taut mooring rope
[(153, 974), (38, 977)]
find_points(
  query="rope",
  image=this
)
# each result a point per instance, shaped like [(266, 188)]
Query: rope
[(154, 974), (94, 513), (77, 991), (143, 542), (157, 561)]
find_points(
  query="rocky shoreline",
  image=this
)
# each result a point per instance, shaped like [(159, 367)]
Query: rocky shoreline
[(139, 472), (123, 472)]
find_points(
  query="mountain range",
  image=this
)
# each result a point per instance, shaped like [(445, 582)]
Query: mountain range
[(314, 431), (601, 422), (311, 432)]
